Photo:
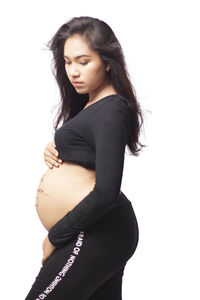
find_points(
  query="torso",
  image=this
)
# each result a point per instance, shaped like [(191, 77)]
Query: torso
[(60, 190)]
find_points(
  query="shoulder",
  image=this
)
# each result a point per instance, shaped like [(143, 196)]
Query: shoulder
[(109, 118), (111, 107), (113, 101), (112, 110)]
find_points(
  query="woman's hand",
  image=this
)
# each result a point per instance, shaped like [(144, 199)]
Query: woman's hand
[(51, 155), (48, 249)]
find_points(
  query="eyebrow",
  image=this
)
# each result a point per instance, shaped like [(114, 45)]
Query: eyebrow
[(82, 55)]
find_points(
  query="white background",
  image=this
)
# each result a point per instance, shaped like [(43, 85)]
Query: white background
[(161, 45)]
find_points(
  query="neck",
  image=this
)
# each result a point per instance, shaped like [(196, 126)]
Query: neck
[(105, 90)]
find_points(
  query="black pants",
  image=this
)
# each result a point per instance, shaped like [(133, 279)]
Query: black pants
[(91, 266)]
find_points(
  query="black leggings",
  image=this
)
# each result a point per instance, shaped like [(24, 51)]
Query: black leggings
[(91, 266)]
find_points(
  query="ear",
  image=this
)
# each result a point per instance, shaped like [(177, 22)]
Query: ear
[(108, 68)]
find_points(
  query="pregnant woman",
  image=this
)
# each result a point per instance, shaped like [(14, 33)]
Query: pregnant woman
[(91, 224)]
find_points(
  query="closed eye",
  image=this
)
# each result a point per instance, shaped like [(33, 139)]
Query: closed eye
[(85, 63)]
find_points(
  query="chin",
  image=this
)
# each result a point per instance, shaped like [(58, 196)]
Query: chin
[(82, 92)]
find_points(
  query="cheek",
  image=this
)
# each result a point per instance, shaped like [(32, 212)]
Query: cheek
[(66, 70), (95, 73)]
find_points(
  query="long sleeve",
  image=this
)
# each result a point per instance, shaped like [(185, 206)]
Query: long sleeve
[(107, 131)]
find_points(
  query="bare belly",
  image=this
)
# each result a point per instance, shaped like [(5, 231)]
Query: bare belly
[(60, 190)]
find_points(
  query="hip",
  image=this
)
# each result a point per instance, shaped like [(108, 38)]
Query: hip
[(118, 227)]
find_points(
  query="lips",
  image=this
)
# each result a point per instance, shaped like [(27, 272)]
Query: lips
[(77, 83)]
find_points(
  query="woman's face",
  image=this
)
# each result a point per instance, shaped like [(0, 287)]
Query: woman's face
[(83, 65)]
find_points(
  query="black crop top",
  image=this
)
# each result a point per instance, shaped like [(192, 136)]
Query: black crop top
[(95, 138)]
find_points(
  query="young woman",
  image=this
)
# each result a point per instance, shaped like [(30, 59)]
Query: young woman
[(92, 227)]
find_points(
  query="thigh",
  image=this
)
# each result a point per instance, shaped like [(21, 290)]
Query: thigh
[(74, 272), (92, 262)]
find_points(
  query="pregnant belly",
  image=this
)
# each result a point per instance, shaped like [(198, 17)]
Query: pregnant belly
[(60, 190)]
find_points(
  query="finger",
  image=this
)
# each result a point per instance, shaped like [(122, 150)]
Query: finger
[(50, 166), (48, 163), (52, 149), (44, 258), (53, 143), (50, 152), (50, 155), (53, 162), (54, 152)]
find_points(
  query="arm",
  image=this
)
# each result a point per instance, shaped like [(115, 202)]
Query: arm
[(107, 130)]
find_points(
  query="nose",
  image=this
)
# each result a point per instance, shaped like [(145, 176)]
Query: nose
[(73, 71)]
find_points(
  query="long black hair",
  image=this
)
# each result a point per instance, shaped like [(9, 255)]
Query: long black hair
[(101, 39)]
